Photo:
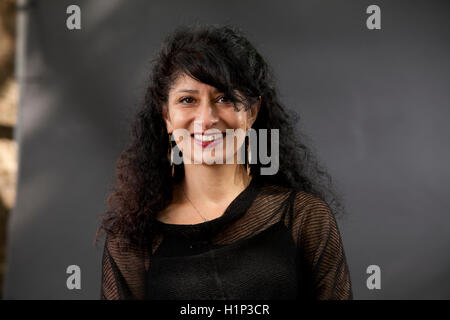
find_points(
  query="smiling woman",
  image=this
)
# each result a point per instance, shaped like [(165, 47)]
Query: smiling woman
[(202, 230), (206, 114)]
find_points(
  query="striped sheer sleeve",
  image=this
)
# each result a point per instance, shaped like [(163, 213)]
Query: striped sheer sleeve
[(123, 271), (325, 274)]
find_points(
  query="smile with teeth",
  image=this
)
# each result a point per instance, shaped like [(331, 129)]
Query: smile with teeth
[(207, 138)]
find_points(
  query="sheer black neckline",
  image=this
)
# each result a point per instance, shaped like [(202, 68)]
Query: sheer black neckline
[(236, 209)]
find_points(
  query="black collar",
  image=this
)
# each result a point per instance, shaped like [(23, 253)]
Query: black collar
[(205, 230)]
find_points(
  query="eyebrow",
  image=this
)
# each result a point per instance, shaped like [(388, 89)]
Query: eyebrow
[(194, 91)]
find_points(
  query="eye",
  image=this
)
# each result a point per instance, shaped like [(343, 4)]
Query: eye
[(224, 99), (187, 100)]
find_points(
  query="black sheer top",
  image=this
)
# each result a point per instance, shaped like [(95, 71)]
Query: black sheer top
[(270, 243)]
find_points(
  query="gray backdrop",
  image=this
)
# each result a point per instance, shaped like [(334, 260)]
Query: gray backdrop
[(375, 104)]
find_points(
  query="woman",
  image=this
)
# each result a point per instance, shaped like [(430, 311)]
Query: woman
[(210, 228)]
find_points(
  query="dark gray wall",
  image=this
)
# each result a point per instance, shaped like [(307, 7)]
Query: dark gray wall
[(375, 104)]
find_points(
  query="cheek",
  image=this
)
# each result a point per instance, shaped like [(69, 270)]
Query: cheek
[(178, 119), (237, 120)]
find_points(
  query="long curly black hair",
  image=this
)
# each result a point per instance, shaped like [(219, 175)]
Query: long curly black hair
[(222, 57)]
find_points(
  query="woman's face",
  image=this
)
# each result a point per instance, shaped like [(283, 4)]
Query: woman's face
[(198, 116)]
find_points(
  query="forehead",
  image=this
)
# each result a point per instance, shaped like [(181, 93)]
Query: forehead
[(185, 82)]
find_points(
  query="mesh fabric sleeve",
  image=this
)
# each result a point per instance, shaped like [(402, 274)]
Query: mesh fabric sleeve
[(321, 252), (123, 271)]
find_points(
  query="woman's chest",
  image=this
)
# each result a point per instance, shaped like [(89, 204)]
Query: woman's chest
[(263, 266)]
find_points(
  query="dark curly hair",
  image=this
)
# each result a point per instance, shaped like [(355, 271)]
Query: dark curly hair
[(220, 56)]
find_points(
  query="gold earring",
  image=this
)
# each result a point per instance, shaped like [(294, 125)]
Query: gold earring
[(170, 155)]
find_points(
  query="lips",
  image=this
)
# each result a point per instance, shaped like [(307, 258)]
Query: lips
[(206, 140), (207, 137)]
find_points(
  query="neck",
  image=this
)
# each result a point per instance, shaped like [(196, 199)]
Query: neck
[(214, 183)]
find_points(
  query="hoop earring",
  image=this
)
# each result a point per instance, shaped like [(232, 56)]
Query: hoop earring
[(170, 155)]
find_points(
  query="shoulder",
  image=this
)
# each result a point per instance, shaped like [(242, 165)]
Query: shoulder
[(121, 248), (310, 212), (272, 191), (301, 201), (305, 207), (307, 203)]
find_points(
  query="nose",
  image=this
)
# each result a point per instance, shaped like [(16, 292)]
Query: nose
[(207, 115)]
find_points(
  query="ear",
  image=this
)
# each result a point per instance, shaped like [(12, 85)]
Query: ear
[(166, 118), (253, 113)]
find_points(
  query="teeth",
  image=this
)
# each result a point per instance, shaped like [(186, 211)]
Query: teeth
[(206, 138)]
